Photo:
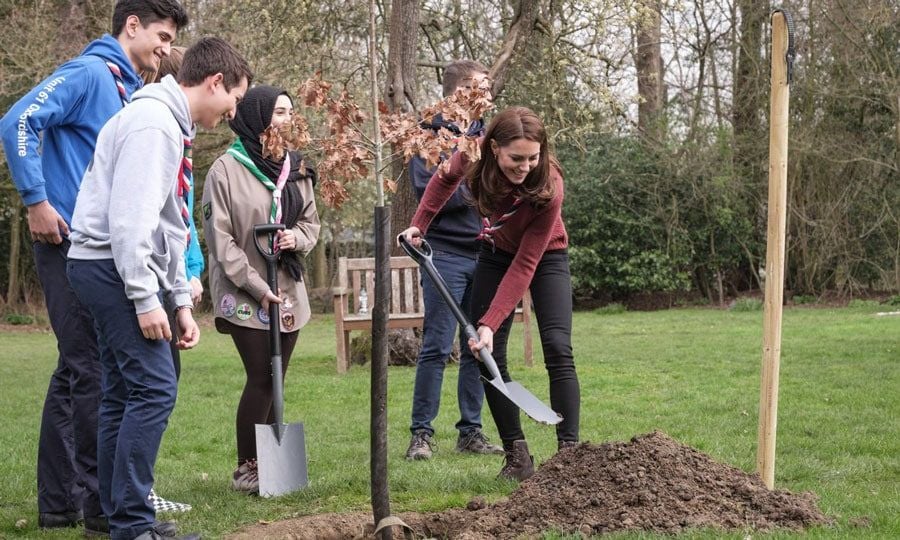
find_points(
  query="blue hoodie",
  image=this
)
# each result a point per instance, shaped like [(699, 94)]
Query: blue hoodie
[(50, 133)]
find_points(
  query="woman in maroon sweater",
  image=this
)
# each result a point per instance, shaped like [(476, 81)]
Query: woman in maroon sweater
[(519, 184)]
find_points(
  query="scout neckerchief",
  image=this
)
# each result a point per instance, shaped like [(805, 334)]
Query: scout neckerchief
[(185, 181), (488, 229), (120, 85), (185, 172), (238, 152)]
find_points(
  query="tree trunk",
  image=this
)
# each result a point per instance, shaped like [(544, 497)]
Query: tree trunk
[(749, 96), (648, 63), (520, 31), (400, 95), (13, 292), (319, 265)]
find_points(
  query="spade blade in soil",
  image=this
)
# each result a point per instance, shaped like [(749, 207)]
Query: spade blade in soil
[(536, 409), (281, 459), (516, 393)]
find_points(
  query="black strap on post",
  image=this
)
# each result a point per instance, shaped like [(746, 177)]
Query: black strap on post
[(791, 52)]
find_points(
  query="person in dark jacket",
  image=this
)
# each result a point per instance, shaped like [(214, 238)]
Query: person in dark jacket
[(49, 137), (453, 238)]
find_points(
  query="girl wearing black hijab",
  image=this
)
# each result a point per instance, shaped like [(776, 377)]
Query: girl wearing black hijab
[(244, 189)]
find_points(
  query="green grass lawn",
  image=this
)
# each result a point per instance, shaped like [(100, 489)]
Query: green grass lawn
[(693, 373)]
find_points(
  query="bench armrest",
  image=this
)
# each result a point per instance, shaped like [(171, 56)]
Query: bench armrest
[(340, 291)]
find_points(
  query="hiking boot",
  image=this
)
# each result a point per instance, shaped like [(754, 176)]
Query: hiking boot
[(476, 442), (519, 463), (564, 445), (98, 526), (58, 520), (246, 478), (421, 445)]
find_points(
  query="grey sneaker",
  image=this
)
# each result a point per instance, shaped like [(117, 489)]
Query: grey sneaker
[(476, 442), (421, 446)]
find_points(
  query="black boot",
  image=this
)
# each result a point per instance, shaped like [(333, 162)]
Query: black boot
[(563, 445), (59, 520), (519, 463)]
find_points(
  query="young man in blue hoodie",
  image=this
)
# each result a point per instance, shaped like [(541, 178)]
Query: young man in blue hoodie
[(49, 137), (453, 238), (129, 231)]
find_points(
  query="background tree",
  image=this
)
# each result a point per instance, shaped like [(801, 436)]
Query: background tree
[(681, 215), (400, 96)]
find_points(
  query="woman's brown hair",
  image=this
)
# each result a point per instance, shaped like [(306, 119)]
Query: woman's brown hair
[(486, 181)]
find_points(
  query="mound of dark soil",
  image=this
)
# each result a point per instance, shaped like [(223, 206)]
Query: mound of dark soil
[(651, 483)]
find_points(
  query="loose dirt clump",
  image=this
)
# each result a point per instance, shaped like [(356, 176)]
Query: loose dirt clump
[(652, 483)]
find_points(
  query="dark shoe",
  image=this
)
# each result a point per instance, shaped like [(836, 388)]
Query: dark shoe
[(564, 445), (58, 520), (99, 526), (476, 442), (153, 534), (421, 446), (519, 463), (96, 526)]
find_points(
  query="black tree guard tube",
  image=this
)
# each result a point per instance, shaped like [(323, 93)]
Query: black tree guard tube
[(381, 502)]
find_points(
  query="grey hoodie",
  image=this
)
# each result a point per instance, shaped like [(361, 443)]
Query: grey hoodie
[(128, 208)]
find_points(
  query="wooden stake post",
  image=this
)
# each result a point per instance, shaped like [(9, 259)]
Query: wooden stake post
[(782, 58)]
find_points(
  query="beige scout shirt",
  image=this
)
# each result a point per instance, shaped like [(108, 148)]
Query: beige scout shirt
[(233, 202)]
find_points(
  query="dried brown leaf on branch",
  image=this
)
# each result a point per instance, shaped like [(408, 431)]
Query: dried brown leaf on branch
[(345, 154), (314, 92), (293, 135), (334, 193), (273, 143), (462, 108)]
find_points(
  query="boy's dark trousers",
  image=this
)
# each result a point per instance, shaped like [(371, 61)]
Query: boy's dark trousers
[(139, 390), (67, 450)]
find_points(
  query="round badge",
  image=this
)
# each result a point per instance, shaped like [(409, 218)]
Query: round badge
[(227, 305), (287, 320), (244, 312), (286, 303), (262, 315)]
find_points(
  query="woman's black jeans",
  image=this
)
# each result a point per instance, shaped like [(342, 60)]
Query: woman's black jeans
[(551, 292)]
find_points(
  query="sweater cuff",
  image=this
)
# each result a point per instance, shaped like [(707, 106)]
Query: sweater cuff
[(492, 319), (146, 305), (34, 195), (183, 300)]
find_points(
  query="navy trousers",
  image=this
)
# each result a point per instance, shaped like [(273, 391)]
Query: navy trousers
[(67, 448), (139, 389)]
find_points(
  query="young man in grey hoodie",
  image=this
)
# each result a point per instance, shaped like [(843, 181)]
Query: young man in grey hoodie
[(129, 231)]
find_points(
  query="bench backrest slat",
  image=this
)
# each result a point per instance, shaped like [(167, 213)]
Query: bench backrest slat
[(405, 294), (408, 287)]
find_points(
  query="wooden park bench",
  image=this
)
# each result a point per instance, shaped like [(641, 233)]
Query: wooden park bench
[(407, 308)]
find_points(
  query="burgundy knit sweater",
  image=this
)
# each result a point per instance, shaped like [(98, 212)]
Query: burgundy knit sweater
[(527, 235)]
